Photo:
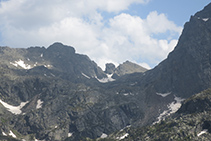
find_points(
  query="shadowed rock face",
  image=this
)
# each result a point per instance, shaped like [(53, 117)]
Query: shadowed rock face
[(66, 100), (187, 69), (110, 68)]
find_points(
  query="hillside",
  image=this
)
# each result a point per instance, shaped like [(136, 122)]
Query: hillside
[(191, 122)]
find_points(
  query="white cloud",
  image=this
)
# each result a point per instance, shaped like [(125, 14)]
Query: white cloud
[(130, 38), (145, 65), (79, 23), (158, 23), (117, 5)]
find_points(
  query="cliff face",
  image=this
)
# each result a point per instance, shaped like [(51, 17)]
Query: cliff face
[(187, 69)]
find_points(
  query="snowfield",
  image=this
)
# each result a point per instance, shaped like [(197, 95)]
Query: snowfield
[(123, 137), (14, 109), (22, 64), (12, 134), (172, 108), (202, 132), (105, 80), (103, 136)]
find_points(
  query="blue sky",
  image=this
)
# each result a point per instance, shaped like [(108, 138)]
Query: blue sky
[(178, 11), (142, 31)]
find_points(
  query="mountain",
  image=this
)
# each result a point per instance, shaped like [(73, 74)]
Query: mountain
[(190, 122), (56, 94), (53, 93), (125, 68), (186, 71)]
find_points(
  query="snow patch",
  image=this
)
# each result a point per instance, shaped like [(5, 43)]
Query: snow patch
[(36, 139), (179, 99), (12, 134), (21, 64), (105, 80), (103, 136), (4, 134), (125, 94), (35, 64), (202, 132), (48, 66), (85, 75), (39, 104), (133, 84), (163, 94), (122, 137), (69, 134), (14, 109), (41, 55), (53, 75), (205, 19), (172, 108)]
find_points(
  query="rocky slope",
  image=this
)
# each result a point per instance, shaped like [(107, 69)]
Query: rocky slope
[(125, 68), (191, 122), (54, 94), (57, 94)]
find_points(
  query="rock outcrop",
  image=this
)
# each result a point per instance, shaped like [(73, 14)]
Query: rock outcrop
[(123, 69), (110, 68)]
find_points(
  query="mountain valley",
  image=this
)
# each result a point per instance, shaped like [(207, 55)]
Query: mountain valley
[(57, 94)]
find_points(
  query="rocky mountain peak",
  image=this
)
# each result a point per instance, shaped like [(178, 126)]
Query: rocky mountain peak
[(60, 48), (128, 68), (110, 68), (187, 69), (205, 13)]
